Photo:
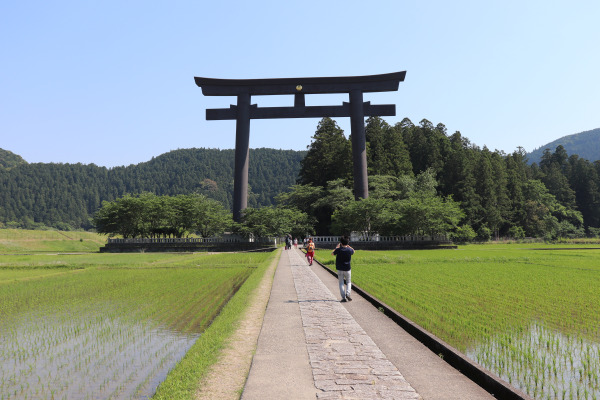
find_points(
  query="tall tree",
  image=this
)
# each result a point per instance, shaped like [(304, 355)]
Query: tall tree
[(426, 144), (501, 201), (585, 182), (376, 147), (516, 176), (485, 188), (329, 155), (386, 151)]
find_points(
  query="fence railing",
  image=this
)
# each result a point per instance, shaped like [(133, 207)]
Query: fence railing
[(271, 240), (378, 238), (189, 240)]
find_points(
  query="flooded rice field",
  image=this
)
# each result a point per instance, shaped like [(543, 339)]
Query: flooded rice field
[(69, 356), (104, 326), (532, 317), (544, 363)]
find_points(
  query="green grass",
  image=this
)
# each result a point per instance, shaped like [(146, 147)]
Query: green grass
[(28, 241), (498, 296)]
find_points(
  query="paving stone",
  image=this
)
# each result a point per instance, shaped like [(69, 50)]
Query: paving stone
[(329, 395)]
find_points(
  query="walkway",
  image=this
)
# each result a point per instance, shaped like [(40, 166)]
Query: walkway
[(312, 346)]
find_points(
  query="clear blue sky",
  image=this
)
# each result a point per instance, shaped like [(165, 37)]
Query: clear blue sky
[(111, 82)]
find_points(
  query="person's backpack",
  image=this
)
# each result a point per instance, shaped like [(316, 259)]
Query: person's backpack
[(311, 246)]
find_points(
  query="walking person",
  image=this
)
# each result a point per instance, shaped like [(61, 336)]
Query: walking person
[(310, 251), (343, 254)]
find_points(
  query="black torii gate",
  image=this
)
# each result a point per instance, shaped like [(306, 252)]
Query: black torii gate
[(244, 111)]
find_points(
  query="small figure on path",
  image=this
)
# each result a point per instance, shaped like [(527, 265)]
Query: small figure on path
[(343, 254), (288, 242), (310, 251), (296, 243)]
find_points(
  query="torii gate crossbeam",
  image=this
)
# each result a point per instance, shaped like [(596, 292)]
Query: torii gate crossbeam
[(244, 111)]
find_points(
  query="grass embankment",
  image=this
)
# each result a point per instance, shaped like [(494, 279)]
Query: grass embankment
[(32, 241), (78, 316), (529, 312)]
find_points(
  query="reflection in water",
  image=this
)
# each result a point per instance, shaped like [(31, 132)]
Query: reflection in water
[(544, 363), (86, 357)]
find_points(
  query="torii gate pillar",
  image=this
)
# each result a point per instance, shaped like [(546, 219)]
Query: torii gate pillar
[(242, 156), (359, 145), (244, 111)]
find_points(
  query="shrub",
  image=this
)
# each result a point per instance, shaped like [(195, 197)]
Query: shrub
[(484, 233), (463, 234), (516, 232)]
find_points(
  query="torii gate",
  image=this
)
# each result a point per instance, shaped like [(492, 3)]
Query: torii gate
[(244, 111)]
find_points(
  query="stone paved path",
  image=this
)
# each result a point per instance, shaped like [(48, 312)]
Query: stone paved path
[(346, 363)]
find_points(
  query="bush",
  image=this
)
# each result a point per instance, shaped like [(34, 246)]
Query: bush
[(516, 232), (593, 232), (569, 231), (484, 233), (463, 234)]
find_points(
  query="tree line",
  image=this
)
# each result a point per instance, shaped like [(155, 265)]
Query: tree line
[(421, 181), (147, 215), (493, 194), (150, 216), (424, 182)]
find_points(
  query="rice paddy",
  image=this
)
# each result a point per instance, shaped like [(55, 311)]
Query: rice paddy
[(114, 325), (530, 316), (107, 325)]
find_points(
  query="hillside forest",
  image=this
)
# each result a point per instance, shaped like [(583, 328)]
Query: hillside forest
[(422, 180), (66, 196), (585, 144)]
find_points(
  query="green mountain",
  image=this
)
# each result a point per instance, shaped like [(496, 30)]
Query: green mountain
[(65, 196), (585, 145), (9, 160)]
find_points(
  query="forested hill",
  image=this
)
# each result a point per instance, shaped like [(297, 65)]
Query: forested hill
[(585, 145), (8, 159), (66, 195)]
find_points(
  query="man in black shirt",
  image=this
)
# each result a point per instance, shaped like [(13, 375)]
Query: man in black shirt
[(343, 255)]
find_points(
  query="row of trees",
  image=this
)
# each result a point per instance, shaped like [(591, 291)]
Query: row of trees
[(407, 206), (149, 216), (402, 205)]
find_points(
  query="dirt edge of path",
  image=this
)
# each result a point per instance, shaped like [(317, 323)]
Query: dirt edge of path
[(226, 378)]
